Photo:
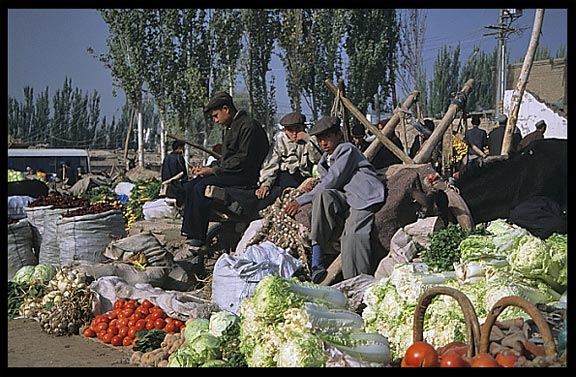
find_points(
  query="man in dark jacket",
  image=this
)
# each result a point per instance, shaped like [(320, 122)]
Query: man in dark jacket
[(496, 136), (174, 166), (244, 148)]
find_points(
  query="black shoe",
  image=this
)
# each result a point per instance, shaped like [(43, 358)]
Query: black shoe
[(319, 273), (194, 242)]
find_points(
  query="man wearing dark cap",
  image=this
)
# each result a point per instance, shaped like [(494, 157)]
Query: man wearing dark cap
[(477, 139), (346, 198), (496, 136), (175, 170), (290, 160), (537, 134), (244, 147)]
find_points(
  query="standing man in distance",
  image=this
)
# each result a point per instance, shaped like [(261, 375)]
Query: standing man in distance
[(537, 134), (244, 147), (496, 136)]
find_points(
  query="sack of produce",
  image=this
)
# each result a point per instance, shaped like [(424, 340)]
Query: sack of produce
[(16, 204), (20, 247), (85, 237)]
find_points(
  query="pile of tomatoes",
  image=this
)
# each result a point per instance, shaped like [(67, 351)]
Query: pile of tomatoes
[(453, 355), (119, 326)]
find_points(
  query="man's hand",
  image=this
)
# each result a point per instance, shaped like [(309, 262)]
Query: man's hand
[(262, 192), (202, 171), (292, 208)]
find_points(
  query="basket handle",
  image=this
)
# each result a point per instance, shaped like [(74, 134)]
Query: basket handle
[(503, 303), (472, 324)]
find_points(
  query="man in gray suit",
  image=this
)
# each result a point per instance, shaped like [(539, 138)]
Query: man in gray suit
[(349, 193)]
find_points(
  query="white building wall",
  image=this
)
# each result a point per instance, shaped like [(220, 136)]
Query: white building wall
[(531, 111)]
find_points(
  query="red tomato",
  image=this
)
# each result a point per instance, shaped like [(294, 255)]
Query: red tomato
[(122, 322), (169, 327), (484, 360), (116, 340), (452, 359), (147, 304), (89, 333), (506, 359), (123, 331), (127, 341), (421, 354), (119, 304), (159, 323), (158, 314), (101, 326), (143, 311), (140, 324), (107, 338), (132, 331), (149, 324), (128, 312), (178, 323), (112, 330)]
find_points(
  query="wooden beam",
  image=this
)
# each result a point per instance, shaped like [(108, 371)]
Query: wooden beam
[(209, 151), (358, 114), (425, 151)]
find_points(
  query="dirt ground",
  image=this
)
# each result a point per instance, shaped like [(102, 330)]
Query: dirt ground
[(30, 347)]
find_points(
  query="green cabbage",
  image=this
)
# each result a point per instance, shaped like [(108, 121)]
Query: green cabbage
[(206, 347), (40, 273), (301, 350), (195, 328), (44, 272), (224, 324), (23, 275)]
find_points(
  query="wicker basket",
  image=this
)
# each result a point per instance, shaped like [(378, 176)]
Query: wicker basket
[(503, 303), (472, 324)]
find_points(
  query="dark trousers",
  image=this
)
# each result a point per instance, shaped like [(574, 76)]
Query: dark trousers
[(197, 206), (283, 181)]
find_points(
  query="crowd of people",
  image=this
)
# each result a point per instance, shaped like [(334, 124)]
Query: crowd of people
[(346, 192)]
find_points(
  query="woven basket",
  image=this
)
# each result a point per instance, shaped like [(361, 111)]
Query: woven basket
[(503, 303), (472, 324)]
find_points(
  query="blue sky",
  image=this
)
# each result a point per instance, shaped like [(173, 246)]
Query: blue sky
[(47, 45)]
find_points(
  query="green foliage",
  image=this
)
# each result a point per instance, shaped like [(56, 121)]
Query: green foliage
[(479, 67), (443, 251), (445, 83)]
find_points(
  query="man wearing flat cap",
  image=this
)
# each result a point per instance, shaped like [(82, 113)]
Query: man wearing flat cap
[(496, 136), (346, 198), (537, 134), (244, 147), (290, 161)]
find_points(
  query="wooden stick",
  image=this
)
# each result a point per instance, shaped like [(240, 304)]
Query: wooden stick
[(209, 151), (358, 114), (522, 82), (427, 148)]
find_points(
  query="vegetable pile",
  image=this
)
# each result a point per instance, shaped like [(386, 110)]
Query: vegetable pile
[(288, 323), (508, 261)]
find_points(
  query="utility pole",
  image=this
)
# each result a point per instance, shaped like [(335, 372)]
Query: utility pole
[(503, 31)]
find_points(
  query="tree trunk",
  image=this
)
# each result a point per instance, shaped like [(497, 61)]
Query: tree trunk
[(522, 82)]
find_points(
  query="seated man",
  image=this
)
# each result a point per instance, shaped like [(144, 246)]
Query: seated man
[(349, 194), (244, 147), (174, 166), (290, 160)]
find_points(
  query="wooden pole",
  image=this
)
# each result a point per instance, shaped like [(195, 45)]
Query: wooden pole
[(390, 127), (358, 114), (522, 82), (345, 122), (210, 151), (425, 151)]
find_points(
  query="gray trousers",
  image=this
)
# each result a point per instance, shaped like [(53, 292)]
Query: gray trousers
[(329, 213)]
